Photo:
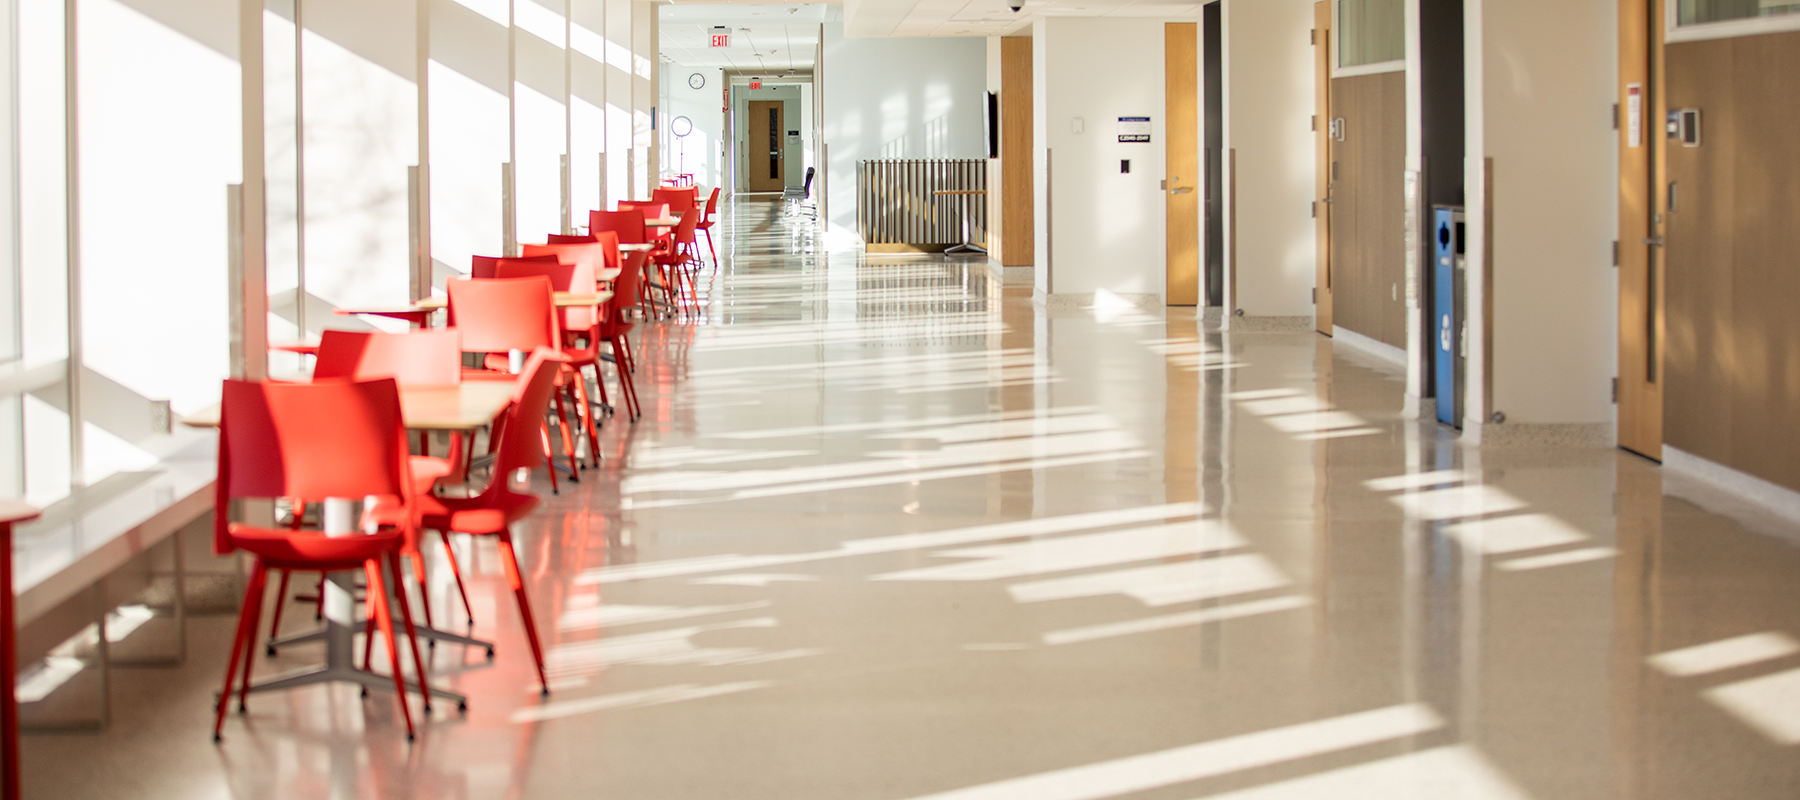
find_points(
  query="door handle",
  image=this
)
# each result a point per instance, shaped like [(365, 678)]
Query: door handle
[(1326, 200), (1654, 241), (1181, 190)]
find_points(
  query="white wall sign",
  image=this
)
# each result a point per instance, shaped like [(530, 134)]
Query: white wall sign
[(1134, 129), (1634, 113)]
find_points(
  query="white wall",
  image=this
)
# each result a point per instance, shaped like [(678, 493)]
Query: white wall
[(1268, 112), (899, 98), (1545, 119), (1104, 227), (699, 152)]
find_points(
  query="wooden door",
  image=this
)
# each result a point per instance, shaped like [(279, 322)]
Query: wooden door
[(1181, 89), (1322, 181), (1641, 153), (765, 165)]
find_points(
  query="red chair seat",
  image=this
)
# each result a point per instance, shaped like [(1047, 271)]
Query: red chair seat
[(475, 515), (281, 548)]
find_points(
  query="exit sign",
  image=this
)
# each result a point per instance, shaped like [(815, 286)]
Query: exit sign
[(721, 40), (756, 83)]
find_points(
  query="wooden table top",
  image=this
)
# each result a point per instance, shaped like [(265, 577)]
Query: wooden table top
[(462, 407)]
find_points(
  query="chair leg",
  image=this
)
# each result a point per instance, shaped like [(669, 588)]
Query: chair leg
[(280, 603), (710, 249), (627, 387), (510, 563), (586, 414), (241, 644), (456, 571), (544, 434), (377, 598), (255, 612), (568, 442), (418, 570), (412, 634)]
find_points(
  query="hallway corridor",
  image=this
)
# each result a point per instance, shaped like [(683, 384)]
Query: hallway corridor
[(890, 531)]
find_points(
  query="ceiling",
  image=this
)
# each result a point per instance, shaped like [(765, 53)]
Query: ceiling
[(864, 18), (780, 37), (767, 37)]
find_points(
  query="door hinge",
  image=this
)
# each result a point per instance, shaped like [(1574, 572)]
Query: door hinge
[(1615, 391), (1315, 123), (1312, 36), (1315, 295), (1615, 252), (1615, 116), (1315, 214)]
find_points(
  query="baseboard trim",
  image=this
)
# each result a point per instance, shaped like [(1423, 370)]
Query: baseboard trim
[(1368, 344), (1271, 324), (1770, 496), (1547, 434)]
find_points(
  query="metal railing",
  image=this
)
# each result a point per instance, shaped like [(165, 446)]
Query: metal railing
[(921, 204)]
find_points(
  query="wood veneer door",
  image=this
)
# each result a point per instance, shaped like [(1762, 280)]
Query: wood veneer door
[(1181, 89), (1641, 307), (1366, 180), (1322, 138), (767, 172)]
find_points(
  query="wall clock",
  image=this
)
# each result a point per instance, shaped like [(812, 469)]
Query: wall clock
[(696, 80)]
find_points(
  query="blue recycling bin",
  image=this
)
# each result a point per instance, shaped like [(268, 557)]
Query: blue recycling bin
[(1447, 313)]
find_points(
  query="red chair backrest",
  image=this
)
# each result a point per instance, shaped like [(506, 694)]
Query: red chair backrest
[(627, 223), (712, 203), (308, 441), (424, 357), (488, 266), (652, 209), (684, 233), (678, 200), (577, 278), (557, 238), (519, 446), (498, 315), (625, 296), (588, 254)]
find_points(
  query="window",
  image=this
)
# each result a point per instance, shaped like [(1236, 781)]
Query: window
[(1691, 12), (1373, 31)]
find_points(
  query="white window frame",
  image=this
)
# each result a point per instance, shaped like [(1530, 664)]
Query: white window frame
[(1674, 31), (1338, 70)]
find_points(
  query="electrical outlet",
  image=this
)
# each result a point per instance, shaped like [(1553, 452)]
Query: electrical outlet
[(161, 420)]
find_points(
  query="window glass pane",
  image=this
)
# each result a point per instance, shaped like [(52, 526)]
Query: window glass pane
[(1370, 32), (1693, 11)]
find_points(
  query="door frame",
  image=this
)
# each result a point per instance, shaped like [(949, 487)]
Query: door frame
[(1321, 38), (1640, 255)]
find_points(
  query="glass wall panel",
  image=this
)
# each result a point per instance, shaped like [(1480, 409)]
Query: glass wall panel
[(1370, 32), (1695, 11), (153, 228), (39, 401)]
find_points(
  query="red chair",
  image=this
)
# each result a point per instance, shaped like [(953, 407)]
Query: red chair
[(423, 357), (578, 324), (558, 238), (615, 327), (677, 199), (314, 441), (492, 512), (499, 315), (679, 262), (629, 225), (705, 225), (485, 266), (591, 255)]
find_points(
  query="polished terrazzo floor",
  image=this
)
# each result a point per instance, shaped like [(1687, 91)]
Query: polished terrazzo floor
[(890, 531)]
